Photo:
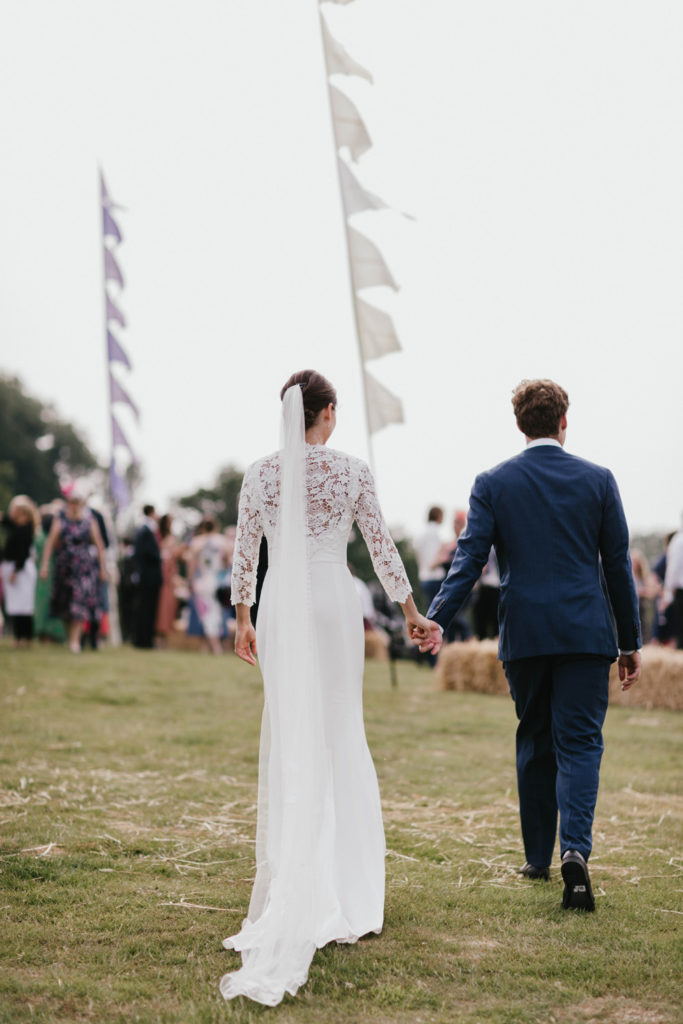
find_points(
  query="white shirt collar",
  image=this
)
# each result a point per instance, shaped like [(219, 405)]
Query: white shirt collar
[(538, 441)]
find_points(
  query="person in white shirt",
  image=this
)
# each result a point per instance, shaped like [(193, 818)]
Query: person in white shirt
[(428, 549)]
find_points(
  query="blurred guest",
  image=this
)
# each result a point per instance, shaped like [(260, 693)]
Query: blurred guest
[(45, 626), (664, 625), (147, 557), (365, 598), (167, 608), (485, 609), (206, 568), (673, 583), (645, 588), (75, 584), (428, 551), (98, 625), (19, 568)]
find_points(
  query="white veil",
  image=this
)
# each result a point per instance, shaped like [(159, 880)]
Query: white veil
[(293, 907)]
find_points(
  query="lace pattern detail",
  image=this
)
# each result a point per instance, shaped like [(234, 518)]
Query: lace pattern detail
[(339, 489)]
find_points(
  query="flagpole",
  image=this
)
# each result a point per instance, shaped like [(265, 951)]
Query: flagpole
[(366, 404), (106, 344)]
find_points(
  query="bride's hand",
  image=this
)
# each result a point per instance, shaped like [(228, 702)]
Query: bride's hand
[(424, 633), (245, 643)]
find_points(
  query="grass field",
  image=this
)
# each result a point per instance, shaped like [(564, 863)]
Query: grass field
[(127, 816)]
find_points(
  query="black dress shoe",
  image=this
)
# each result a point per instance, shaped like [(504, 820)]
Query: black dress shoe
[(577, 894), (529, 871)]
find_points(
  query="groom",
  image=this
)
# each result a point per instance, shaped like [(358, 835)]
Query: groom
[(560, 536)]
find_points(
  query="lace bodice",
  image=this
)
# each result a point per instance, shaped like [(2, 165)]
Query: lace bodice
[(339, 489)]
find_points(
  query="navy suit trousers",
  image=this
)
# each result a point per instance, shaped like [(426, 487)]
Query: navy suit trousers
[(561, 702)]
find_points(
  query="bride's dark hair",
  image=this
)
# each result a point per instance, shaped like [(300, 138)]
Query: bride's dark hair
[(317, 393)]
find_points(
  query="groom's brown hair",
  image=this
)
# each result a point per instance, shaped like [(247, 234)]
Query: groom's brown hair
[(539, 407)]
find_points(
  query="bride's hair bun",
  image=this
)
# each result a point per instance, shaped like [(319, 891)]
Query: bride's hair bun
[(316, 390)]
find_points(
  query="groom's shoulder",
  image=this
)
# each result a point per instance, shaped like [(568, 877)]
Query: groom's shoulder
[(502, 468)]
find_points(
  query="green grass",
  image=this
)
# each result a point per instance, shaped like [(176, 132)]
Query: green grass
[(127, 816)]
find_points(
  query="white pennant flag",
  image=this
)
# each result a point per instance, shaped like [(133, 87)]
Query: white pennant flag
[(376, 329), (368, 266), (339, 61), (349, 129), (383, 406), (354, 197)]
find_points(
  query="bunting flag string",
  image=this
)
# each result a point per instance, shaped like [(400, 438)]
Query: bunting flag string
[(355, 198), (377, 333), (118, 395), (349, 128), (367, 268), (370, 270), (116, 352), (112, 271), (113, 311), (119, 438), (110, 228), (383, 406), (338, 60)]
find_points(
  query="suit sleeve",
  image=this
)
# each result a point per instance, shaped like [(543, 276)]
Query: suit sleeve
[(471, 555), (616, 565)]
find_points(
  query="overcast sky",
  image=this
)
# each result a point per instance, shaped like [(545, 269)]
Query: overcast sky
[(539, 145)]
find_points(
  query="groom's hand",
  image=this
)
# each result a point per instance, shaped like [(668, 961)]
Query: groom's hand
[(629, 669), (426, 635)]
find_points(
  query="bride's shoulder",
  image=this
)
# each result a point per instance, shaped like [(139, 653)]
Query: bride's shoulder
[(355, 466), (262, 467), (265, 460)]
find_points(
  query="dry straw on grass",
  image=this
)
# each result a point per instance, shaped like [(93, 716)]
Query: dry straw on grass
[(474, 667)]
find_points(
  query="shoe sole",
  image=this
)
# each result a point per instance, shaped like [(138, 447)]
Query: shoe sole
[(577, 887)]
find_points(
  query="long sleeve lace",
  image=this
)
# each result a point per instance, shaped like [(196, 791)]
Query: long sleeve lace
[(385, 558), (247, 541)]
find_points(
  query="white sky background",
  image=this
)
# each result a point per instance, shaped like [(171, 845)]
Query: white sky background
[(539, 144)]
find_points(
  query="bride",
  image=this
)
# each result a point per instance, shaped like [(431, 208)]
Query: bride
[(320, 841)]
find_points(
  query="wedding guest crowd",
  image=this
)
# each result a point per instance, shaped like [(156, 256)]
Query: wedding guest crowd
[(176, 583)]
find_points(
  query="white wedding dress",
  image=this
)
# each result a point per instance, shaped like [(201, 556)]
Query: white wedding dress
[(320, 840)]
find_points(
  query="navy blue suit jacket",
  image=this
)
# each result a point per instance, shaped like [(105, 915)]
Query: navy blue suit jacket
[(558, 527), (147, 557)]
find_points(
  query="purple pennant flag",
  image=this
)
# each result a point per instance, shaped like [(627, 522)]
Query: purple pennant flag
[(118, 394), (109, 226), (112, 271), (116, 352), (114, 313), (119, 488), (119, 438)]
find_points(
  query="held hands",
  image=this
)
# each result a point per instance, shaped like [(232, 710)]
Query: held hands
[(426, 635), (629, 669)]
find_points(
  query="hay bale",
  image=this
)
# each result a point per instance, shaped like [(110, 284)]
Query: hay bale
[(473, 667), (660, 684)]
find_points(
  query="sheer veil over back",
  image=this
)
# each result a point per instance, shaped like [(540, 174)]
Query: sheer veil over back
[(320, 842)]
